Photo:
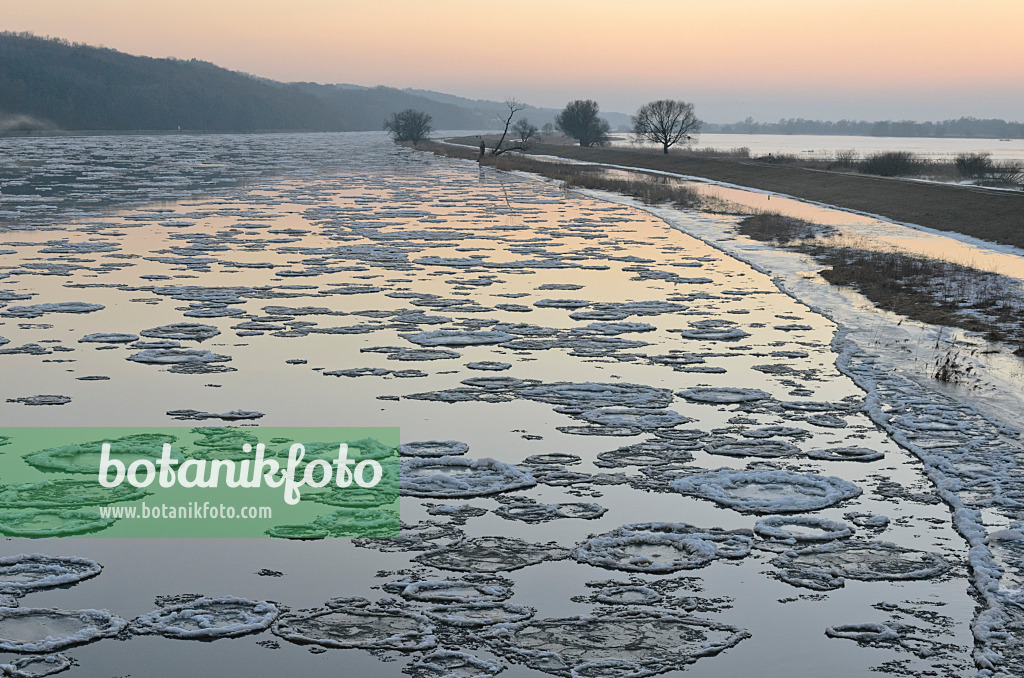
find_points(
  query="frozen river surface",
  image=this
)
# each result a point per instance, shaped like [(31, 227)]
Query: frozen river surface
[(685, 472)]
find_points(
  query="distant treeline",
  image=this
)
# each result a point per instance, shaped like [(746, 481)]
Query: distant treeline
[(54, 84), (962, 127)]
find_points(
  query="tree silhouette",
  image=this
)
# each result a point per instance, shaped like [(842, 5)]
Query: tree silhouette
[(579, 120), (409, 125), (665, 122)]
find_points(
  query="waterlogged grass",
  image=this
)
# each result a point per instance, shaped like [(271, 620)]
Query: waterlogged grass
[(921, 288)]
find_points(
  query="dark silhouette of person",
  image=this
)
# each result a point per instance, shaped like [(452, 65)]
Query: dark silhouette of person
[(483, 148)]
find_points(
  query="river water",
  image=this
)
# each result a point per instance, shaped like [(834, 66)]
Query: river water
[(671, 408)]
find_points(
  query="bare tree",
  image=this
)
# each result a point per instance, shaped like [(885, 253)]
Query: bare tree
[(409, 125), (513, 108), (579, 120), (665, 122), (525, 129)]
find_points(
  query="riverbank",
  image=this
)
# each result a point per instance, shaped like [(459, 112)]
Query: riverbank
[(995, 216)]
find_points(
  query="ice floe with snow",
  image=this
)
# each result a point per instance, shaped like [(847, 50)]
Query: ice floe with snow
[(450, 664), (723, 394), (491, 554), (460, 477), (794, 529), (589, 646), (767, 491), (35, 630), (826, 567), (22, 573), (208, 618), (358, 627)]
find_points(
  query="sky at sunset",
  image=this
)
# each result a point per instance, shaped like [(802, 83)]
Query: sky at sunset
[(768, 59)]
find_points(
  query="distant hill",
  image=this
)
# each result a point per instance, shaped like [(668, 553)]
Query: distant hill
[(54, 84)]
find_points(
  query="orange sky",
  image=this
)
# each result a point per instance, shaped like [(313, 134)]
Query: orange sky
[(923, 59)]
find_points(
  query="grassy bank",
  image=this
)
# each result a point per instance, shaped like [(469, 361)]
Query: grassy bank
[(996, 216), (921, 288)]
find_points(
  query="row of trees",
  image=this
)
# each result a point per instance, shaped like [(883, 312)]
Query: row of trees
[(666, 122)]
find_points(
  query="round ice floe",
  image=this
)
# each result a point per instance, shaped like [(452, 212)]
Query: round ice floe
[(458, 338), (491, 554), (589, 646), (723, 394), (112, 338), (647, 453), (846, 454), (43, 523), (468, 590), (713, 333), (628, 595), (560, 458), (768, 491), (826, 567), (209, 618), (42, 400), (41, 309), (36, 666), (173, 356), (182, 331), (650, 553), (358, 627), (489, 365), (434, 448), (792, 529), (360, 522), (634, 417), (478, 615), (85, 457), (592, 395), (25, 629), (542, 513), (752, 448), (29, 572), (863, 633), (423, 354), (561, 303), (448, 664), (497, 384), (459, 477), (300, 532), (772, 431)]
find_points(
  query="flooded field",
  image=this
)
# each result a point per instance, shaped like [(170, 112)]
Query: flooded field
[(625, 452)]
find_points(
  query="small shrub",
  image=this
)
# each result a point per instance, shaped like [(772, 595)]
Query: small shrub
[(891, 164), (973, 165)]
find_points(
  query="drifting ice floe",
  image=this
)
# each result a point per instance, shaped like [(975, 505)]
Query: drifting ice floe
[(628, 595), (530, 512), (65, 494), (489, 365), (448, 664), (36, 666), (173, 356), (459, 477), (793, 529), (85, 457), (24, 629), (209, 618), (182, 331), (39, 310), (46, 523), (357, 627), (824, 567), (661, 548), (434, 448), (479, 615), (631, 643), (41, 400), (491, 554), (30, 572), (469, 589), (108, 338), (458, 338), (724, 394), (592, 395), (846, 454), (767, 491), (752, 448)]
